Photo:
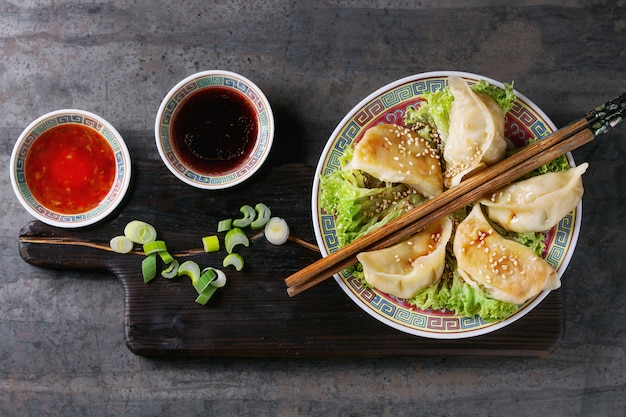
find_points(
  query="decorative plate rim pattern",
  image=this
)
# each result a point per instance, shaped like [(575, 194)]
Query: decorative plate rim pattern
[(113, 198), (207, 79), (388, 105)]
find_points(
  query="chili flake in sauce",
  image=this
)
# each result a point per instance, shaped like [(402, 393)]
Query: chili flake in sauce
[(70, 168)]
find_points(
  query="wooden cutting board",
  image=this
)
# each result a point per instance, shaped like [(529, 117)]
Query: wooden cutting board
[(253, 316)]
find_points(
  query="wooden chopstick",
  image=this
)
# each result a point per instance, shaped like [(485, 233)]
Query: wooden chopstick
[(468, 191)]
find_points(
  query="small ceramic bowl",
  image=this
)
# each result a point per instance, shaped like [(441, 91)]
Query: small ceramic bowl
[(214, 129), (70, 168)]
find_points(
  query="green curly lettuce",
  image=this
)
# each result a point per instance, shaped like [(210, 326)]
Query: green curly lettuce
[(434, 110), (454, 294), (560, 163), (504, 97), (361, 203)]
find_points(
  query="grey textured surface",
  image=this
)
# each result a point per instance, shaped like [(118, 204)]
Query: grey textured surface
[(61, 338)]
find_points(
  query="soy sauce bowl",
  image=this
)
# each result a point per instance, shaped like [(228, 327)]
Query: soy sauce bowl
[(214, 129), (70, 168)]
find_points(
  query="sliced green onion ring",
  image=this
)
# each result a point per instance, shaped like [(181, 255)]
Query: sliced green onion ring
[(224, 225), (204, 281), (205, 295), (263, 215), (277, 231), (149, 268), (249, 214), (140, 232), (220, 279), (121, 244), (171, 271), (190, 269), (166, 257), (233, 259), (235, 237), (211, 243), (154, 247)]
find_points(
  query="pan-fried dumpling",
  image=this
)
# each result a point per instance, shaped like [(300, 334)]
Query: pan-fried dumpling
[(395, 154), (507, 270), (538, 203), (407, 267), (476, 133)]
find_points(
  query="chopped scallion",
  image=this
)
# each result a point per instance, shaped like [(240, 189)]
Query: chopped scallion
[(263, 215), (248, 216), (211, 243), (235, 237), (171, 271), (149, 267), (220, 279), (233, 259), (205, 280), (140, 232), (199, 280), (154, 247), (190, 269), (121, 244), (166, 257), (277, 231), (224, 225), (205, 295)]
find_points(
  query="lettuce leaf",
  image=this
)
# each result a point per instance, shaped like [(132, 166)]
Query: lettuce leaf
[(558, 164), (505, 97), (361, 203), (434, 110), (454, 294)]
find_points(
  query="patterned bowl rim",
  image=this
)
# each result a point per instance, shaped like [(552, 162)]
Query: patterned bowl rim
[(341, 278), (208, 79), (115, 195)]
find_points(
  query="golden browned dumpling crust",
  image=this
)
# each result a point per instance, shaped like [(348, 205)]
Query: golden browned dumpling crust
[(398, 155), (507, 270)]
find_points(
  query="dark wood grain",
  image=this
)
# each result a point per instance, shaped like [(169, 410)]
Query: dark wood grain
[(253, 316)]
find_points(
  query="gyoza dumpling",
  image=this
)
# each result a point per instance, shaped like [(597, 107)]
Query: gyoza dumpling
[(507, 270), (395, 154), (476, 133), (407, 267), (538, 203)]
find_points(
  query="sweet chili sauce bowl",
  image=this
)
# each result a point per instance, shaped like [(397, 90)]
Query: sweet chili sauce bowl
[(214, 129), (70, 168)]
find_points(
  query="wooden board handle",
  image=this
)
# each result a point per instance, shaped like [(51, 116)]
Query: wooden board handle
[(49, 247)]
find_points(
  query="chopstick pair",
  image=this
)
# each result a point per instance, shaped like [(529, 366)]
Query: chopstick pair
[(595, 123)]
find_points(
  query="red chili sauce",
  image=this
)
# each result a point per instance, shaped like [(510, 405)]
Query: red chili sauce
[(214, 130), (70, 168)]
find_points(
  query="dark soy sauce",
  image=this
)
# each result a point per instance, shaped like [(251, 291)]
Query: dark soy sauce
[(214, 130)]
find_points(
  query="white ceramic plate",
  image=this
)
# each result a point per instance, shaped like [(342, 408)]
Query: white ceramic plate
[(388, 105)]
